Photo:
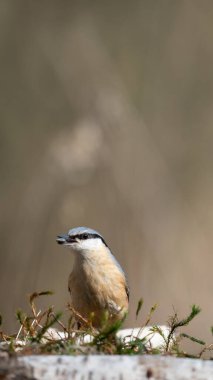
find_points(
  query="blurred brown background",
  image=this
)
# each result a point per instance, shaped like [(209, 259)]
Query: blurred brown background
[(107, 121)]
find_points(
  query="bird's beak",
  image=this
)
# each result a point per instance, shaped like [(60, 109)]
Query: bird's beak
[(64, 239)]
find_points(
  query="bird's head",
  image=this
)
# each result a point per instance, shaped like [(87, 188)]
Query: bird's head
[(82, 239)]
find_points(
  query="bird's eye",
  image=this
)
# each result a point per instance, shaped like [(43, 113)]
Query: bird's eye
[(84, 236)]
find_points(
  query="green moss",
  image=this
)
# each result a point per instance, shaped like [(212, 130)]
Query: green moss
[(35, 335)]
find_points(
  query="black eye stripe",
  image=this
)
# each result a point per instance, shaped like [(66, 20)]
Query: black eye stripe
[(84, 236), (89, 236)]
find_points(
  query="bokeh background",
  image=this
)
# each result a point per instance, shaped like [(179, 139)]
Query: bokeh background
[(107, 121)]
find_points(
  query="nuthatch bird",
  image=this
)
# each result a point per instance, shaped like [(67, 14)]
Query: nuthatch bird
[(97, 283)]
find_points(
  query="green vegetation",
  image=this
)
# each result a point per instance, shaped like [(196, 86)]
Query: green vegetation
[(43, 332)]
